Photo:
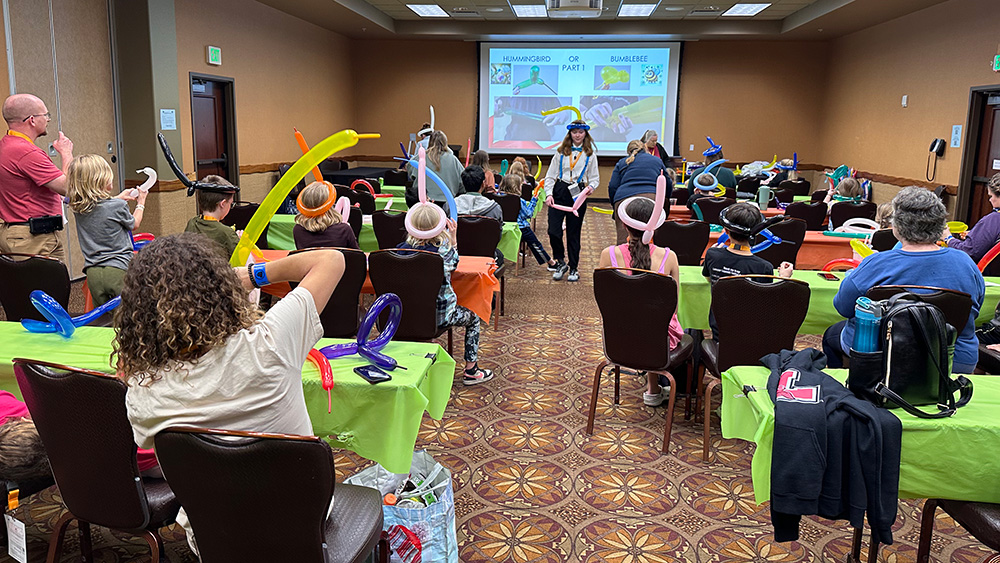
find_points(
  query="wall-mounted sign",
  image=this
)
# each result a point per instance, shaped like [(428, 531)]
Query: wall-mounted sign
[(168, 119), (213, 55)]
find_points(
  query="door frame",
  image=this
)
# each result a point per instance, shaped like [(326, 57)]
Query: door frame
[(229, 93), (973, 128)]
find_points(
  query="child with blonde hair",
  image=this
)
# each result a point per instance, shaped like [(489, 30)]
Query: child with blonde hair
[(512, 184), (328, 229), (104, 225), (449, 312)]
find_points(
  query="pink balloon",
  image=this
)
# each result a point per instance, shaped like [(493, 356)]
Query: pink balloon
[(655, 220), (576, 203), (422, 196), (343, 206)]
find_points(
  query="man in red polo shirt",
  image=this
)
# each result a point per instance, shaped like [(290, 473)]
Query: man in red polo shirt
[(31, 186)]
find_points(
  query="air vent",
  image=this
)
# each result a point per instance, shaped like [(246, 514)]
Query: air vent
[(464, 12), (706, 11)]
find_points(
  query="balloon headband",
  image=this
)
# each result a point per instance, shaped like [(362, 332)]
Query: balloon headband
[(748, 232), (573, 126), (655, 219), (192, 186), (422, 195), (714, 149), (430, 129), (795, 163), (708, 170), (321, 208)]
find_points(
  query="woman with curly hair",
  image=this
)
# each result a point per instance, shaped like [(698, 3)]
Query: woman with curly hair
[(195, 351)]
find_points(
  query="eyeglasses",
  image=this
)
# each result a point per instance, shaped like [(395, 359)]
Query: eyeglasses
[(47, 115)]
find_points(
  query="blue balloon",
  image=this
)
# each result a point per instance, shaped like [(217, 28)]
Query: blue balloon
[(369, 349), (59, 320), (769, 239), (448, 196)]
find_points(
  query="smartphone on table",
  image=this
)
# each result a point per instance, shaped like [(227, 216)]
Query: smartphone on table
[(828, 276), (372, 374)]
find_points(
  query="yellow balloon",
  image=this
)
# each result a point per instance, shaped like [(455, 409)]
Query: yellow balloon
[(323, 150), (861, 248), (579, 115)]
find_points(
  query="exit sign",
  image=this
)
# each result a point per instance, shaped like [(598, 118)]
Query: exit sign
[(996, 63), (214, 55)]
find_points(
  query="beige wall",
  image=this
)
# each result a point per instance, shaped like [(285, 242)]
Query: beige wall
[(933, 56)]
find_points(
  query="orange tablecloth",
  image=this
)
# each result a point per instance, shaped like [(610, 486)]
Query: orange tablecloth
[(683, 213), (817, 249), (473, 282)]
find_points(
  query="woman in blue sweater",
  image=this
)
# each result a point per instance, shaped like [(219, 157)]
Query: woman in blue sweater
[(635, 175), (917, 222)]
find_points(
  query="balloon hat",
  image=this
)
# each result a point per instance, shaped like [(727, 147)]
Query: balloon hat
[(655, 219), (59, 320), (573, 126), (430, 129), (708, 170), (191, 186), (714, 149), (761, 227), (422, 195), (795, 163), (343, 205), (150, 180)]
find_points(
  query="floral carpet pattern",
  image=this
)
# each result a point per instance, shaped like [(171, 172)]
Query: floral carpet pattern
[(531, 486)]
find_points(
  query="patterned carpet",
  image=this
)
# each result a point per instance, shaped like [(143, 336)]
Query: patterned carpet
[(532, 487)]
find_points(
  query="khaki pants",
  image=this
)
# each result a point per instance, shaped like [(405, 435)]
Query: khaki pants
[(105, 283), (18, 239)]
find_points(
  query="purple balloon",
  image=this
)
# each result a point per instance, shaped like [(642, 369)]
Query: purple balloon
[(369, 349)]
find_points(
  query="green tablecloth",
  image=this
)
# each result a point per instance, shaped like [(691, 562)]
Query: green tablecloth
[(802, 198), (696, 300), (952, 458), (279, 236), (378, 422)]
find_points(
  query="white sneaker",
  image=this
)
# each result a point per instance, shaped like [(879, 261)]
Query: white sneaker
[(561, 272), (656, 399), (574, 275)]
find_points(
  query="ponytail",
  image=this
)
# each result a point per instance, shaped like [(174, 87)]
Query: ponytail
[(641, 260)]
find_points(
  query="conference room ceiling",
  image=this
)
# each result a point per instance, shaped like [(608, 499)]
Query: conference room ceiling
[(671, 20)]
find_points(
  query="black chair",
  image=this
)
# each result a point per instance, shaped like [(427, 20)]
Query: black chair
[(80, 417), (747, 187), (813, 213), (20, 274), (792, 232), (681, 194), (884, 239), (415, 276), (396, 178), (711, 207), (389, 227), (783, 196), (479, 236), (956, 305), (687, 240), (337, 322), (980, 519), (457, 149), (818, 195), (510, 204), (361, 199), (755, 318), (799, 187), (332, 165), (222, 478), (375, 184), (841, 211), (239, 216), (636, 338)]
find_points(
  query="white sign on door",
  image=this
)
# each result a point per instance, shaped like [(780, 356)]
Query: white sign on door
[(996, 164)]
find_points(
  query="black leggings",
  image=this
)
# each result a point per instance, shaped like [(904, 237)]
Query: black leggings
[(573, 226)]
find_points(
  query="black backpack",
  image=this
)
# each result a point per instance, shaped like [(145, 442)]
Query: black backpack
[(989, 332), (914, 366)]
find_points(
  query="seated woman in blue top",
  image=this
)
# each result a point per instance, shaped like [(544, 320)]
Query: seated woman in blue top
[(985, 234), (635, 175), (918, 221)]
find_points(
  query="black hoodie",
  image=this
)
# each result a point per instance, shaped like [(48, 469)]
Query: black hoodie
[(834, 455)]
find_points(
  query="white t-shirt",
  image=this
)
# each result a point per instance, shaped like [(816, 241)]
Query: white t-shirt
[(252, 383)]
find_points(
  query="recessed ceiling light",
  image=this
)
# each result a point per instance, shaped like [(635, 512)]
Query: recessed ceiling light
[(494, 10), (746, 9), (529, 10), (428, 10), (673, 8), (636, 10)]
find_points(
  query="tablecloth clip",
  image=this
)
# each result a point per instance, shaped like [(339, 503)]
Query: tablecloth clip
[(747, 389)]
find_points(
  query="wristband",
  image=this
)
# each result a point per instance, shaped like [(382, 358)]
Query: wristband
[(140, 206), (258, 274)]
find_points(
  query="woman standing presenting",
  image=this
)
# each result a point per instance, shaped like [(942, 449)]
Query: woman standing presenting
[(572, 173)]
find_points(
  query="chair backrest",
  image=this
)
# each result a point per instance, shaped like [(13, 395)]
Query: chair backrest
[(712, 206), (818, 195), (956, 305), (681, 194), (792, 232), (457, 149), (396, 177), (239, 216), (338, 322), (20, 274), (884, 239), (841, 211), (364, 199), (798, 187), (783, 196), (748, 185), (636, 336), (510, 204), (376, 185), (526, 192), (415, 276), (282, 170), (332, 165), (757, 317), (224, 478), (355, 221), (813, 213), (80, 417), (390, 227), (478, 236), (687, 240)]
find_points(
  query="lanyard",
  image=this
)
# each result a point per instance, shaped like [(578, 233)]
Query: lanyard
[(571, 165)]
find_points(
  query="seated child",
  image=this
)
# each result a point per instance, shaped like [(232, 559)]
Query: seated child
[(212, 359), (735, 258), (103, 223), (525, 170), (704, 185), (883, 215), (329, 229), (634, 254), (213, 207), (849, 189), (511, 184), (449, 312), (472, 202)]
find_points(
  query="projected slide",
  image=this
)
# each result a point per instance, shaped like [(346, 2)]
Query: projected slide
[(621, 89)]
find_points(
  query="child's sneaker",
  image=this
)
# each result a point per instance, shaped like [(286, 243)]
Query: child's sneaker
[(477, 376), (574, 275), (561, 272), (656, 399), (554, 267)]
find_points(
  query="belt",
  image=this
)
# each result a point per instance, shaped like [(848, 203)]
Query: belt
[(13, 223)]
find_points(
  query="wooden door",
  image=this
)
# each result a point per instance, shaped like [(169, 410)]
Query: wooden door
[(987, 163), (209, 111)]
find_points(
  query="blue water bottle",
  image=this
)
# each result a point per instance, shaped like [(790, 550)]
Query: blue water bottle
[(867, 322)]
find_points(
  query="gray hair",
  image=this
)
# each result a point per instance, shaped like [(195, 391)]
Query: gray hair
[(919, 216), (649, 133)]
